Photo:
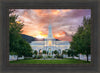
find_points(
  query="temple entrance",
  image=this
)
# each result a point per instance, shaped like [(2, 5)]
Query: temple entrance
[(49, 52), (59, 51)]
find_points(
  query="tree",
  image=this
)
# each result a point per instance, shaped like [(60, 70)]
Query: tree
[(35, 52), (71, 53), (55, 52), (44, 51), (64, 52), (81, 40), (15, 37), (28, 52), (17, 44), (86, 37)]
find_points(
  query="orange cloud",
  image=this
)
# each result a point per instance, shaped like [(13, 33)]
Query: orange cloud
[(55, 12), (36, 21), (59, 34), (40, 12), (67, 10)]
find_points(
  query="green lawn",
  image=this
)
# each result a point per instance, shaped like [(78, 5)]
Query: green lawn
[(63, 61)]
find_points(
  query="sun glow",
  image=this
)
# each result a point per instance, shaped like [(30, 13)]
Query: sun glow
[(41, 35)]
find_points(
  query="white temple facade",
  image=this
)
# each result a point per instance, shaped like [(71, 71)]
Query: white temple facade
[(50, 44)]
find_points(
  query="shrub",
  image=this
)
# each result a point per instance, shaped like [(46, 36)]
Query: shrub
[(49, 56), (27, 58), (39, 57), (59, 56), (34, 57)]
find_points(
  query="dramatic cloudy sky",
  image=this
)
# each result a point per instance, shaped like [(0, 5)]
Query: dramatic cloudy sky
[(64, 22)]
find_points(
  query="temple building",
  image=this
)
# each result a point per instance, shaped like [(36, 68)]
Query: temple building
[(50, 44)]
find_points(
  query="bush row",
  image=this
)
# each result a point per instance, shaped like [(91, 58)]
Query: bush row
[(40, 57)]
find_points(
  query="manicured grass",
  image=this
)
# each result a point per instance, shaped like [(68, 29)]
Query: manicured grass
[(63, 61)]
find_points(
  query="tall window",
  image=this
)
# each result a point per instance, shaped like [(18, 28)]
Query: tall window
[(50, 43)]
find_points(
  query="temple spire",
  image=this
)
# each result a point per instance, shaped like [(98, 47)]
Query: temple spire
[(50, 35)]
